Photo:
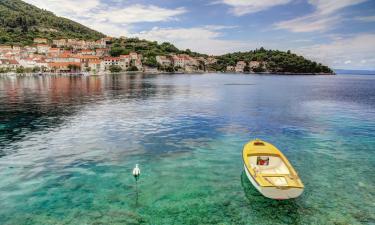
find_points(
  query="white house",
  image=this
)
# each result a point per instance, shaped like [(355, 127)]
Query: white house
[(42, 48), (59, 43), (163, 60), (240, 66), (125, 62), (109, 61), (254, 64), (27, 63)]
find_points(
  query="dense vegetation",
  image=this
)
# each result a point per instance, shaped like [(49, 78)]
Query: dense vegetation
[(20, 23), (273, 61), (148, 49)]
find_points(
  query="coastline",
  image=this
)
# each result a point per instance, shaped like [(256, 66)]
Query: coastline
[(159, 73)]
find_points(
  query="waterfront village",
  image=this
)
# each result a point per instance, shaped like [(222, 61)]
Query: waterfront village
[(79, 56)]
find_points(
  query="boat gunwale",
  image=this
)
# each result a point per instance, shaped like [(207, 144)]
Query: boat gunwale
[(278, 154)]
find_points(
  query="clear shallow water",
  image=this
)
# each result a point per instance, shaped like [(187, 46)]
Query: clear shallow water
[(68, 145)]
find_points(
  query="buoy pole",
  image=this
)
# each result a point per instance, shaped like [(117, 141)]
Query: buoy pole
[(136, 174)]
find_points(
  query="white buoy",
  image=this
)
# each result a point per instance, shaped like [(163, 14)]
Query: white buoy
[(136, 172)]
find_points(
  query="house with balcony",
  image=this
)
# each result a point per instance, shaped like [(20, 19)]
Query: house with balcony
[(107, 62), (85, 60), (179, 61), (94, 66)]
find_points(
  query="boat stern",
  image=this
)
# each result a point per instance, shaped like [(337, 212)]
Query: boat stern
[(281, 193)]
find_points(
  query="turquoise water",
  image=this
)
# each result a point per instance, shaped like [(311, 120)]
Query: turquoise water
[(68, 146)]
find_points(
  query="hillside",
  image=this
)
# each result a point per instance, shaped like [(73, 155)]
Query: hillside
[(20, 23), (272, 61), (149, 49)]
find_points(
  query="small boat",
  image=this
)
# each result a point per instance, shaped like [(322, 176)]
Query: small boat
[(270, 172)]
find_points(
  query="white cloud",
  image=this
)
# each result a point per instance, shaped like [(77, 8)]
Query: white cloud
[(323, 18), (202, 39), (66, 7), (357, 52), (325, 7), (139, 13), (220, 27), (309, 23), (242, 7), (366, 18), (111, 29), (107, 19)]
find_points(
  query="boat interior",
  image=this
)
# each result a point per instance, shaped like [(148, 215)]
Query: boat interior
[(271, 168)]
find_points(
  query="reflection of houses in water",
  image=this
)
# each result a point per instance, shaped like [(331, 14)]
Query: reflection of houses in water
[(136, 86), (51, 89), (29, 103), (72, 89)]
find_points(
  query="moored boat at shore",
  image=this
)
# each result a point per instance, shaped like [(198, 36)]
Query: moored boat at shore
[(270, 172)]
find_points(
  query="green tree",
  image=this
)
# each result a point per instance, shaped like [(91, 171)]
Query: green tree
[(246, 69), (132, 68), (20, 23), (36, 69), (150, 61), (74, 68), (20, 69), (115, 69), (117, 51)]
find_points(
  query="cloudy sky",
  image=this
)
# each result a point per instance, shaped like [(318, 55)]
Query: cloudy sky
[(339, 33)]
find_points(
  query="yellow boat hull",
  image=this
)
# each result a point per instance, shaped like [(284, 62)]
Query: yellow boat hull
[(270, 172)]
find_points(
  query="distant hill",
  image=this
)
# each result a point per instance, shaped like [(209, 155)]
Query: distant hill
[(273, 61), (20, 23)]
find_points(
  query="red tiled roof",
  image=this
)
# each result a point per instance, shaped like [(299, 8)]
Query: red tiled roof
[(63, 64), (111, 58), (9, 61), (88, 57), (95, 62)]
